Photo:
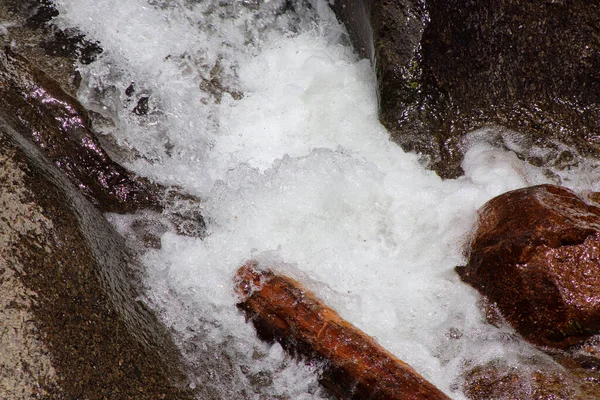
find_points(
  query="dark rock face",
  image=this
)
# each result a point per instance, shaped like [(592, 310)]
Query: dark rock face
[(30, 32), (37, 99), (69, 324), (536, 256), (59, 125), (447, 67)]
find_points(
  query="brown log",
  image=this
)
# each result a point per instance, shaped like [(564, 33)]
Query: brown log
[(355, 366)]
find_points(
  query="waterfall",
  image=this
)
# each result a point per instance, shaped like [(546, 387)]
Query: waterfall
[(263, 110)]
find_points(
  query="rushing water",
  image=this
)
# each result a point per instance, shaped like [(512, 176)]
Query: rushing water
[(262, 109)]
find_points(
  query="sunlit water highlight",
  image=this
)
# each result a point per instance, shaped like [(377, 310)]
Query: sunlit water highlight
[(296, 172)]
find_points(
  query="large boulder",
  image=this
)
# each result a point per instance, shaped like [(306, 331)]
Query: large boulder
[(70, 326), (536, 257), (446, 67)]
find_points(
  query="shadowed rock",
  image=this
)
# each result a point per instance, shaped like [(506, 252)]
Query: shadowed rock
[(445, 68), (37, 99), (30, 33), (536, 256), (70, 326)]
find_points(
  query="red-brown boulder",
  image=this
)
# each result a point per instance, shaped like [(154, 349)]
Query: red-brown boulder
[(500, 381), (536, 256)]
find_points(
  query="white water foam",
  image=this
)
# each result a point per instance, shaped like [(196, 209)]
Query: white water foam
[(298, 173)]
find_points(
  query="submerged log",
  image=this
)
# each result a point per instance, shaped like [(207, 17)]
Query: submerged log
[(356, 367)]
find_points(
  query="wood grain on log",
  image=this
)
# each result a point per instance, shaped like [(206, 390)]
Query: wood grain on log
[(355, 366)]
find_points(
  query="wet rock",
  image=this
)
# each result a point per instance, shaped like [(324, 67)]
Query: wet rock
[(67, 42), (445, 68), (29, 31), (213, 85), (59, 125), (144, 229), (500, 381), (141, 107), (70, 326), (536, 257), (411, 106), (37, 99)]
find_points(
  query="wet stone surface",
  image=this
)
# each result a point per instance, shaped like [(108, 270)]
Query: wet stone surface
[(70, 324), (500, 381), (30, 32), (536, 256), (59, 125), (445, 68), (38, 98)]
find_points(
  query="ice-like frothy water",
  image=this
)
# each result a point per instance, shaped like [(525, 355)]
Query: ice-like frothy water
[(263, 110)]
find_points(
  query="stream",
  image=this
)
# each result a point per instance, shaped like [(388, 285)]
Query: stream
[(263, 110)]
